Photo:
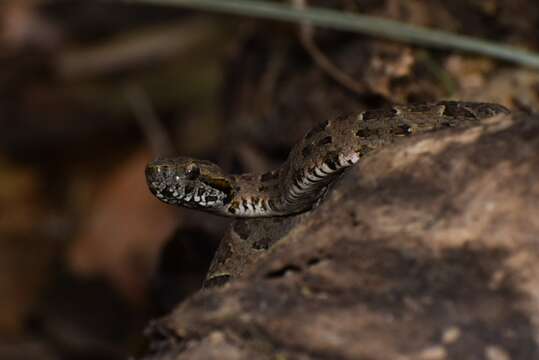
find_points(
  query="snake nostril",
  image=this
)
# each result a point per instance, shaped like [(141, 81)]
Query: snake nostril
[(149, 172), (152, 171)]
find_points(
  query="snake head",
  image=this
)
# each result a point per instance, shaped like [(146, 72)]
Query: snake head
[(189, 182)]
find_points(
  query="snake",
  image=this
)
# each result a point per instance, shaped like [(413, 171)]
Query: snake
[(313, 165)]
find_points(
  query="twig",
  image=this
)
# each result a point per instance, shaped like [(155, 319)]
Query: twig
[(375, 26), (306, 37)]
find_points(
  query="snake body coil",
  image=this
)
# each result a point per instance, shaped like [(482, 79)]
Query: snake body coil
[(313, 164)]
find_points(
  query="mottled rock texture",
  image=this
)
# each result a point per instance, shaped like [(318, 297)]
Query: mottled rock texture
[(429, 249)]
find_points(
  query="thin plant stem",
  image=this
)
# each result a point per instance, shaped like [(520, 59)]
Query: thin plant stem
[(370, 25)]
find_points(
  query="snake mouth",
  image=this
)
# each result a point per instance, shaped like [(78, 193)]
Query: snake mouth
[(172, 186)]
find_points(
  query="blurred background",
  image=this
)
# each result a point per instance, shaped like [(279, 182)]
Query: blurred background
[(90, 91)]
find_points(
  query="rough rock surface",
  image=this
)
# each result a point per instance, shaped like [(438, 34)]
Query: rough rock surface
[(429, 249)]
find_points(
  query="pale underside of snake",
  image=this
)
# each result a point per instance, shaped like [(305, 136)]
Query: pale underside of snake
[(313, 164)]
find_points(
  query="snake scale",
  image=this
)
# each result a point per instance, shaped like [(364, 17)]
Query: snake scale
[(312, 166)]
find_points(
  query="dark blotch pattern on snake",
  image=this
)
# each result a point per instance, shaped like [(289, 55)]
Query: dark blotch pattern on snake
[(312, 165)]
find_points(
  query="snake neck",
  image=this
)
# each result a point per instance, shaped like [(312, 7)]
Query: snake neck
[(287, 190), (255, 195)]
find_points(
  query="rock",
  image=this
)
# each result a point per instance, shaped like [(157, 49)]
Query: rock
[(437, 234)]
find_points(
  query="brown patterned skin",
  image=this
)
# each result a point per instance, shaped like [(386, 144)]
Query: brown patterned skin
[(313, 164)]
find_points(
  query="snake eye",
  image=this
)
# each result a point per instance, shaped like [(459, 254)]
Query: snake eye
[(403, 130), (192, 171)]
